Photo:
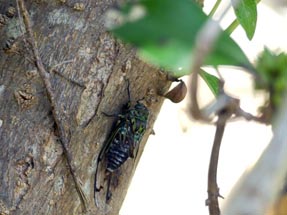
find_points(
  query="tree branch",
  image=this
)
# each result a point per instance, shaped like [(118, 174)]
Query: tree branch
[(64, 139), (259, 187), (203, 46), (205, 40)]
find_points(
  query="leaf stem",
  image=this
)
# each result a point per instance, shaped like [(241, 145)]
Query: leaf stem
[(214, 9), (232, 27), (229, 30)]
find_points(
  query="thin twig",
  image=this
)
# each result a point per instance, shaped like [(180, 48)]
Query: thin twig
[(53, 69), (61, 63), (64, 139), (69, 79), (213, 190), (249, 116)]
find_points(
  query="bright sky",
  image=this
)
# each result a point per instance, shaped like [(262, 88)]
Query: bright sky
[(171, 177)]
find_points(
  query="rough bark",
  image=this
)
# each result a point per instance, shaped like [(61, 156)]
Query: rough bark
[(89, 78)]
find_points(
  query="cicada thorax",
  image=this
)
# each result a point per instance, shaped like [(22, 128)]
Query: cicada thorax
[(138, 117)]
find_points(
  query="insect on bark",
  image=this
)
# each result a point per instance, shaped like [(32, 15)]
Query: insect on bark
[(123, 142)]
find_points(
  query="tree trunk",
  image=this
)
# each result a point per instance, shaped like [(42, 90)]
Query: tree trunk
[(88, 70)]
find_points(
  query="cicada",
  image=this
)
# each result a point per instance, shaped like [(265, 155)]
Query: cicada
[(123, 142)]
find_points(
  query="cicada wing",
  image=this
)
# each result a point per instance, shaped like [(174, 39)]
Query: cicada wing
[(110, 140), (98, 188)]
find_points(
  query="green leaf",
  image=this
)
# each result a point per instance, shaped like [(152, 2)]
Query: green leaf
[(246, 13), (211, 81), (165, 36)]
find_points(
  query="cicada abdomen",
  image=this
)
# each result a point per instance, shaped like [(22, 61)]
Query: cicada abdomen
[(120, 148)]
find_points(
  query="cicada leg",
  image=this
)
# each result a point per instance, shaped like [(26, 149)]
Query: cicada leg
[(100, 199), (109, 193)]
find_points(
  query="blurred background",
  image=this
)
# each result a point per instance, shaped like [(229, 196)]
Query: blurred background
[(171, 177)]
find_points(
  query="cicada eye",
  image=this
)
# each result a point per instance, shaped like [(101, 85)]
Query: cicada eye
[(140, 106)]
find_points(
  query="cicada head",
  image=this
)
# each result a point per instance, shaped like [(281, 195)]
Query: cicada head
[(141, 112)]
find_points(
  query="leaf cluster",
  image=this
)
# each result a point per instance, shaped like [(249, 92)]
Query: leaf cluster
[(165, 33), (272, 71)]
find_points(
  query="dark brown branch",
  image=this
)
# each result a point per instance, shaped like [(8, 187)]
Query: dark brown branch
[(213, 190), (64, 139)]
